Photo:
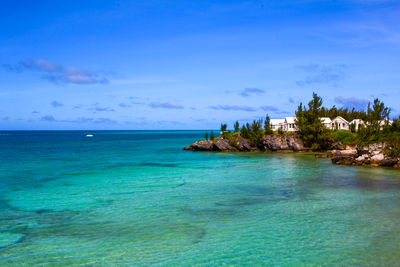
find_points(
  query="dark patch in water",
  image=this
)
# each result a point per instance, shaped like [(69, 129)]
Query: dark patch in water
[(182, 184), (153, 164), (210, 212), (41, 211), (124, 193), (242, 202), (105, 202), (259, 191), (199, 236), (20, 240)]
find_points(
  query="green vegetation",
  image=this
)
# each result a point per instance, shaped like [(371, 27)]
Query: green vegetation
[(256, 133), (267, 125), (236, 126), (223, 127), (206, 136), (343, 136), (345, 113), (375, 127), (311, 129), (394, 150)]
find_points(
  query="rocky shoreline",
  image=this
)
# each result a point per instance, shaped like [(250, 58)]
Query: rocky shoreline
[(283, 143), (371, 155)]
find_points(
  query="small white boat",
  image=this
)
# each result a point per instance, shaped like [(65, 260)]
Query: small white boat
[(89, 135)]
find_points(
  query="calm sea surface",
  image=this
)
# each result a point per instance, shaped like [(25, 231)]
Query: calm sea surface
[(136, 198)]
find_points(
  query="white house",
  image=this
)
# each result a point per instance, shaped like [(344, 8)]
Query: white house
[(289, 124), (276, 124), (358, 123), (327, 122), (382, 123), (339, 123)]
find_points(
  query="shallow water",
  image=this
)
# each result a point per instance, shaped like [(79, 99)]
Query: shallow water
[(136, 198)]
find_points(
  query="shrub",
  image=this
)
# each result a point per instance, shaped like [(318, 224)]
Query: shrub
[(394, 150), (345, 137)]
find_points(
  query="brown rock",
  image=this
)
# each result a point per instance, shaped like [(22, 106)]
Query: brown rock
[(343, 160)]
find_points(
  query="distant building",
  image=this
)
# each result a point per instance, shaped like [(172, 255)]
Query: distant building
[(339, 123), (289, 124), (383, 123), (327, 122), (357, 123), (276, 124)]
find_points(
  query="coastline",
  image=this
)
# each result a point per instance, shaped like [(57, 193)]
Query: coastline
[(373, 155)]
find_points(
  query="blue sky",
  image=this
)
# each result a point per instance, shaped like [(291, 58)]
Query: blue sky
[(190, 64)]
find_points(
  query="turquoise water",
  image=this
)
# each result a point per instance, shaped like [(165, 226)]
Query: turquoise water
[(136, 198)]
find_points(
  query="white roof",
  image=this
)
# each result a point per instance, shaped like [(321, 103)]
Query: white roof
[(340, 118), (357, 121), (383, 122), (326, 120), (290, 119), (277, 121)]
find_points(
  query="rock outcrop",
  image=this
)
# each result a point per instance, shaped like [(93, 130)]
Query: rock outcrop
[(269, 143), (371, 155), (283, 143)]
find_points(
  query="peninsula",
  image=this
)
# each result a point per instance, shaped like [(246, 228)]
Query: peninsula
[(348, 137)]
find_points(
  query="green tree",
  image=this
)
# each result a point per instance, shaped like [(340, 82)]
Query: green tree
[(353, 127), (236, 126), (256, 134), (245, 131), (267, 125), (212, 135), (377, 120), (223, 127), (311, 129), (206, 136)]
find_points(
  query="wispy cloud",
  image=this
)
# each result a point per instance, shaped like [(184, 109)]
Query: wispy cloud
[(167, 105), (274, 110), (56, 104), (318, 74), (233, 107), (352, 102), (48, 118), (270, 108), (98, 107), (91, 120), (123, 105), (134, 100), (251, 92), (79, 106), (56, 73)]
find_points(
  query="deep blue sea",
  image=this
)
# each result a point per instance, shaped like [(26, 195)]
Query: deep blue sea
[(135, 198)]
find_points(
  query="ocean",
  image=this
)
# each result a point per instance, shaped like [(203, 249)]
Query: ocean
[(136, 198)]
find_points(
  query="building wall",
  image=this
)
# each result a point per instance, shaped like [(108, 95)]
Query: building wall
[(290, 127), (340, 125)]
